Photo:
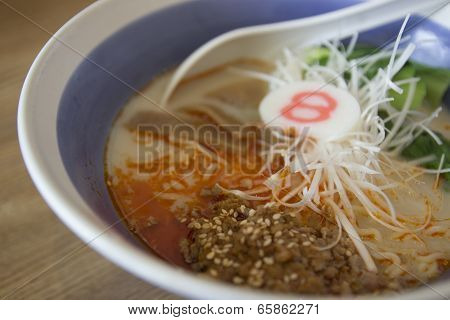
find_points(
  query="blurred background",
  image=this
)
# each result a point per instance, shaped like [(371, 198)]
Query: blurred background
[(39, 257)]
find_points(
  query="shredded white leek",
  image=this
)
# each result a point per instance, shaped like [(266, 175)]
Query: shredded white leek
[(348, 169)]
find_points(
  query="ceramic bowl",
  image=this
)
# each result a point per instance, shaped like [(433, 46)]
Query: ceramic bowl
[(92, 65)]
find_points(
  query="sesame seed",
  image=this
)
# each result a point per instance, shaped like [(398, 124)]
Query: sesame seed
[(267, 242), (255, 281), (248, 230), (227, 262), (213, 272), (238, 280), (257, 247)]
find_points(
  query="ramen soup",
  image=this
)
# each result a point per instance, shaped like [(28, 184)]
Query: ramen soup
[(323, 171)]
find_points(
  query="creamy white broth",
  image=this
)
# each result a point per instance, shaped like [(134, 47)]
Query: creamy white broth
[(424, 253)]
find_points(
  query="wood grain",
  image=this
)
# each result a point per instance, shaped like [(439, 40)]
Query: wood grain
[(32, 239)]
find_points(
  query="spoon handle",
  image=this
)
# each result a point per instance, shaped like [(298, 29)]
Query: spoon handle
[(358, 18), (263, 41)]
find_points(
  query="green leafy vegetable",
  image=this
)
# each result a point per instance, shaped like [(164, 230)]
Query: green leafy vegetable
[(425, 145), (436, 82), (362, 51), (408, 71), (373, 70), (432, 87), (383, 114), (318, 55)]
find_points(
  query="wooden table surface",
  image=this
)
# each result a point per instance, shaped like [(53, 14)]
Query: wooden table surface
[(32, 239)]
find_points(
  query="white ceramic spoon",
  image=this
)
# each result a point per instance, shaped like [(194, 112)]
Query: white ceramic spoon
[(264, 40)]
